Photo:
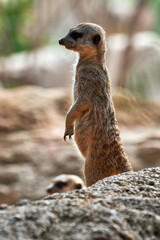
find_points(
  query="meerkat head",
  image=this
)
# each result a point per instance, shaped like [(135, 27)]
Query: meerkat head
[(85, 38), (65, 183)]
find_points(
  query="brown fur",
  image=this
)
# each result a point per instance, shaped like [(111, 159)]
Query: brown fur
[(65, 183), (96, 131)]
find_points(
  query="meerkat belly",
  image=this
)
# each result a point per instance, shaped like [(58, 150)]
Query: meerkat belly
[(87, 128), (83, 125), (83, 131)]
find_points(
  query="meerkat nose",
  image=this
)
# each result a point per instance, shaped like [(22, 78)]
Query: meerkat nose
[(61, 41)]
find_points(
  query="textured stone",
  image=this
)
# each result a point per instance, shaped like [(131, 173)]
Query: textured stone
[(114, 208)]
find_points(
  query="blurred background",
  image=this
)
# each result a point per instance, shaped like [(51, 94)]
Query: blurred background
[(36, 76)]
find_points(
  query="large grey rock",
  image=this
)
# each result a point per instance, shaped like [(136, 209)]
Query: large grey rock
[(125, 206)]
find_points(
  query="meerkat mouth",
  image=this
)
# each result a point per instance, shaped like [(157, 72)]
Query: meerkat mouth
[(69, 47)]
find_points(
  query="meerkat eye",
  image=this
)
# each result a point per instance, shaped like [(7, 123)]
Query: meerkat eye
[(60, 184), (96, 39), (76, 35)]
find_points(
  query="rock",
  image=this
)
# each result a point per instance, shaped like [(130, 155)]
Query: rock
[(120, 207), (38, 67), (142, 146), (22, 108), (149, 153)]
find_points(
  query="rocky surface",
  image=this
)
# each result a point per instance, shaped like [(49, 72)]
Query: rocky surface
[(125, 206), (32, 150)]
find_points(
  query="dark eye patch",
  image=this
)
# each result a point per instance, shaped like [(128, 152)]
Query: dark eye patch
[(60, 184), (76, 35)]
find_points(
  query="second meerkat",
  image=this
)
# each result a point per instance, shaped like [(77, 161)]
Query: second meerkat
[(92, 114)]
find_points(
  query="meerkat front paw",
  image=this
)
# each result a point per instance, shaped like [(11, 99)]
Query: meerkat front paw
[(68, 132)]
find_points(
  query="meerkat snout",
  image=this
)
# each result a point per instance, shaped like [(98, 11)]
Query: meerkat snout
[(65, 183), (61, 41)]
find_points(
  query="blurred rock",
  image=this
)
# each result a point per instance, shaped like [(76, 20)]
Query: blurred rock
[(142, 146), (30, 107), (32, 150), (149, 150), (49, 66), (124, 206)]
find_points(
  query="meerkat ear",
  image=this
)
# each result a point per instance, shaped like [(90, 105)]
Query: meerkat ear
[(78, 186), (96, 39)]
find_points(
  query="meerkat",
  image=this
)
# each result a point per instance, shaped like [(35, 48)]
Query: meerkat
[(92, 116), (65, 183)]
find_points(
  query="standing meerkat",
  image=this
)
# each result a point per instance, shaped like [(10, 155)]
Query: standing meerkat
[(92, 116)]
